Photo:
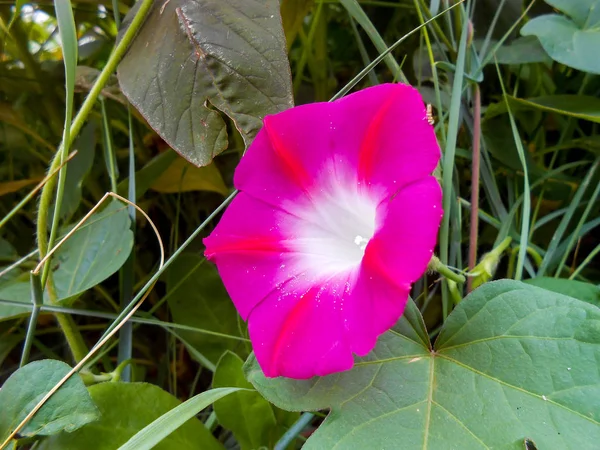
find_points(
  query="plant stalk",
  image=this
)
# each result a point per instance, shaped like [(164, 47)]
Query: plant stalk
[(72, 335)]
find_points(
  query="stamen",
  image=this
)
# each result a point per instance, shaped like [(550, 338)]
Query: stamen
[(361, 242)]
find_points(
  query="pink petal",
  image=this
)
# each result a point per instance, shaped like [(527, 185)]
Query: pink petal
[(399, 145), (376, 136), (298, 331), (373, 307), (403, 245), (249, 248), (305, 329)]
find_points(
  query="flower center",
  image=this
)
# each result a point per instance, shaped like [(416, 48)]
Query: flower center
[(336, 229)]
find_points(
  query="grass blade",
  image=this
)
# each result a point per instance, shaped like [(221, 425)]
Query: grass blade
[(358, 14), (155, 432), (562, 227), (526, 216), (448, 160)]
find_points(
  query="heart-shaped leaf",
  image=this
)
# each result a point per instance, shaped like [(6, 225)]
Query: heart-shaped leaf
[(68, 409), (94, 252), (586, 292), (570, 41), (512, 362), (127, 408), (191, 55)]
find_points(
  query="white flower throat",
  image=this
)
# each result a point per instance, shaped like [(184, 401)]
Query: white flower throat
[(336, 228)]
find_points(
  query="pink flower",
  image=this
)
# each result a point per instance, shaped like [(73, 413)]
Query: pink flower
[(337, 215)]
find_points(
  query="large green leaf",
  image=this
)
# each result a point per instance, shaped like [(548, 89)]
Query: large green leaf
[(512, 362), (586, 292), (126, 408), (94, 252), (197, 298), (585, 13), (193, 54), (247, 414), (67, 410), (570, 42)]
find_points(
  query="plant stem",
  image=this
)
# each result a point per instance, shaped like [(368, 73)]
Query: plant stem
[(437, 266), (72, 335), (474, 227)]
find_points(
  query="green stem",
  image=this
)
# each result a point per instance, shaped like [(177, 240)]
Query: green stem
[(437, 266), (46, 198)]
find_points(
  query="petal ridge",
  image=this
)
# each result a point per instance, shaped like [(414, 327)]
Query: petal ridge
[(291, 164)]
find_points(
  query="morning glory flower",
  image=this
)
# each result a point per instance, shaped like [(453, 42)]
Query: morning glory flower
[(337, 215)]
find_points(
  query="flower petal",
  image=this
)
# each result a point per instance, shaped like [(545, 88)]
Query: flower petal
[(298, 330), (249, 248), (399, 145), (379, 135), (403, 245), (374, 305)]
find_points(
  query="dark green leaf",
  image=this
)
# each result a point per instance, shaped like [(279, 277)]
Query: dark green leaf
[(198, 298), (67, 410), (586, 292), (191, 54), (512, 362), (94, 252), (125, 409), (247, 414)]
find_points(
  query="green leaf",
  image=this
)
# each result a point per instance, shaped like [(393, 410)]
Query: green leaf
[(16, 290), (523, 50), (126, 408), (197, 298), (586, 292), (579, 106), (181, 176), (191, 55), (585, 13), (171, 421), (247, 414), (570, 42), (512, 362), (94, 252), (67, 410)]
